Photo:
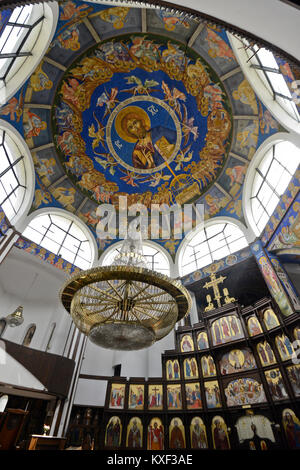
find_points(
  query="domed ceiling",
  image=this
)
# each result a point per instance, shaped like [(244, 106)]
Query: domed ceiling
[(142, 103)]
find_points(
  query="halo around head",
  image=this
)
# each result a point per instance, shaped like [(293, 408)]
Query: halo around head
[(127, 113)]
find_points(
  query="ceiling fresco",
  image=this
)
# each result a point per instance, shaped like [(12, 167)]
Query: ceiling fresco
[(141, 103), (141, 116)]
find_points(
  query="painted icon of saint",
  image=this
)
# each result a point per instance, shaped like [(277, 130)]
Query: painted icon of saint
[(155, 435), (153, 146)]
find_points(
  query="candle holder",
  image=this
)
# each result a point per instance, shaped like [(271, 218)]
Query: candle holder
[(46, 429)]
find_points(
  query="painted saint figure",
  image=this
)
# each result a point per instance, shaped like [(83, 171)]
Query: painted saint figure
[(220, 436), (134, 435), (198, 434), (176, 437), (292, 428), (113, 432), (153, 146), (186, 344), (155, 436)]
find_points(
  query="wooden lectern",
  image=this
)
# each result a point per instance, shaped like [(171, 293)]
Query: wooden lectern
[(40, 442)]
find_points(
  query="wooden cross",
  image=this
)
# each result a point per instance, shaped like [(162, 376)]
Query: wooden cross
[(214, 282)]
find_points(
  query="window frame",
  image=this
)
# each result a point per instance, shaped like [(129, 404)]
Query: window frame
[(73, 221), (203, 229)]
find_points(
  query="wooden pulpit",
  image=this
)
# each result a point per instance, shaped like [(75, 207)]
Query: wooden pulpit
[(41, 442)]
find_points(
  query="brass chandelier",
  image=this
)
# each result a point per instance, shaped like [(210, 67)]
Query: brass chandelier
[(125, 306)]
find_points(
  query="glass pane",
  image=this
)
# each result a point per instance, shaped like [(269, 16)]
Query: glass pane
[(283, 183), (67, 254), (198, 238), (189, 268), (266, 161), (265, 193), (263, 221), (218, 254), (4, 163), (25, 14), (108, 259), (288, 106), (217, 242), (81, 263), (202, 249), (270, 207), (149, 250), (85, 251), (77, 232), (238, 245), (279, 84), (214, 229), (50, 245), (257, 209), (17, 197), (188, 253), (274, 174), (288, 154), (256, 184), (62, 222), (41, 223), (9, 181), (7, 31), (56, 234), (17, 67), (232, 232), (3, 194), (8, 209), (33, 235), (13, 39), (205, 261), (71, 243), (19, 170), (267, 58)]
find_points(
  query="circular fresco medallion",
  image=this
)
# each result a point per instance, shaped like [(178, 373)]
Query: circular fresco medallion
[(142, 116), (143, 134)]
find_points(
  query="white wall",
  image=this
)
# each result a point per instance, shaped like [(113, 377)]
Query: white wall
[(13, 373), (26, 280), (90, 392)]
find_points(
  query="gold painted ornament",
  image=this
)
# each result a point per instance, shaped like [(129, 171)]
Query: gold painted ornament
[(125, 306)]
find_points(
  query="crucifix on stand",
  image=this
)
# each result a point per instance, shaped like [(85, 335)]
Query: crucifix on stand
[(214, 283)]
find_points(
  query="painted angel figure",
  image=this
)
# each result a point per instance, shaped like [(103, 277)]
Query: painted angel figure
[(188, 126), (70, 11), (140, 87), (13, 109), (97, 135), (108, 100), (144, 48), (34, 125), (172, 96)]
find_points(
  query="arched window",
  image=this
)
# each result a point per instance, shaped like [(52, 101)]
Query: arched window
[(270, 179), (29, 335), (3, 325), (156, 259), (272, 79), (62, 236), (3, 402), (49, 344), (26, 34), (12, 175), (210, 244), (269, 70)]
